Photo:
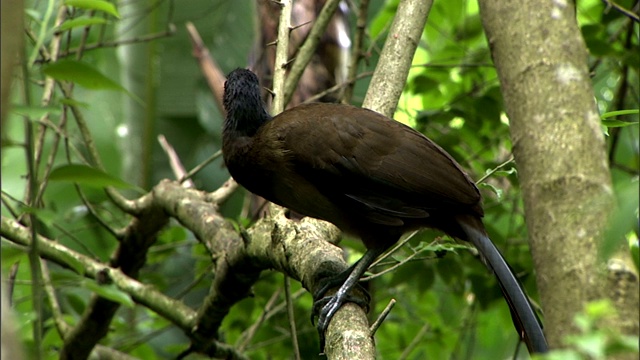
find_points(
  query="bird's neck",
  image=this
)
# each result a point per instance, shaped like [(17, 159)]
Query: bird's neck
[(245, 117)]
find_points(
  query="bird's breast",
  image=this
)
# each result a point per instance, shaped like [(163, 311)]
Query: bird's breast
[(257, 164)]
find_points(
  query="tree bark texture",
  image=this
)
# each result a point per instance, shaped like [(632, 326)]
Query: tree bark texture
[(559, 147), (12, 14), (395, 60)]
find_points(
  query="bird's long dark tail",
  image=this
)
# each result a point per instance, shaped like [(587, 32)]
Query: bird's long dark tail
[(524, 317)]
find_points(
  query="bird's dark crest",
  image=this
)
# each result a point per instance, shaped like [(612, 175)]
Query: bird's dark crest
[(242, 102)]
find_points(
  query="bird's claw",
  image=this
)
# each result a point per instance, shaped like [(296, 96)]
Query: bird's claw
[(329, 309), (326, 307)]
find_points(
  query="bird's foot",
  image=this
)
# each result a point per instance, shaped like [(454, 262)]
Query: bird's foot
[(327, 306), (320, 300), (330, 307)]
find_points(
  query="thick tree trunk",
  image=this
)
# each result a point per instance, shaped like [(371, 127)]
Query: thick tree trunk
[(559, 147)]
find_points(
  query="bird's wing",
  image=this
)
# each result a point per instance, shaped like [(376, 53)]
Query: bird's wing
[(380, 164)]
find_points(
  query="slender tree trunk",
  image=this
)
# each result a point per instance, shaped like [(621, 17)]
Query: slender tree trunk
[(139, 63), (12, 14), (559, 147)]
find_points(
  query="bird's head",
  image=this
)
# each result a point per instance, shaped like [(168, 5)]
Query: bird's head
[(241, 85), (241, 100)]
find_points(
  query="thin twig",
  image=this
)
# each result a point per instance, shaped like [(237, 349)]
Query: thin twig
[(299, 26), (128, 206), (282, 48), (390, 269), (44, 26), (449, 66), (210, 69), (621, 93), (200, 166), (337, 87), (81, 244), (140, 39), (631, 15), (306, 51), (357, 52), (83, 39), (248, 334), (76, 152), (494, 170), (223, 192), (118, 235), (175, 311), (52, 156), (373, 44), (174, 161), (11, 281), (6, 199), (394, 248), (32, 221), (272, 311), (44, 53), (292, 317), (415, 341), (188, 287), (47, 97), (383, 315), (58, 317), (83, 127)]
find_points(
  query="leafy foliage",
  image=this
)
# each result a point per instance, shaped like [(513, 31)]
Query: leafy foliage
[(596, 340)]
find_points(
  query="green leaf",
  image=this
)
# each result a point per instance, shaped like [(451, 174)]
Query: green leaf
[(469, 29), (592, 344), (620, 113), (631, 58), (422, 84), (46, 216), (172, 235), (623, 219), (72, 102), (599, 309), (511, 171), (76, 302), (146, 351), (110, 292), (81, 22), (87, 175), (595, 37), (618, 123), (634, 247), (441, 246), (75, 264), (12, 253), (611, 123), (624, 343), (35, 112), (34, 15), (382, 21), (497, 191), (82, 74), (99, 5), (64, 277)]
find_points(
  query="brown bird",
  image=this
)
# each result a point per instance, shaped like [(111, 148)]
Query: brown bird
[(371, 176)]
